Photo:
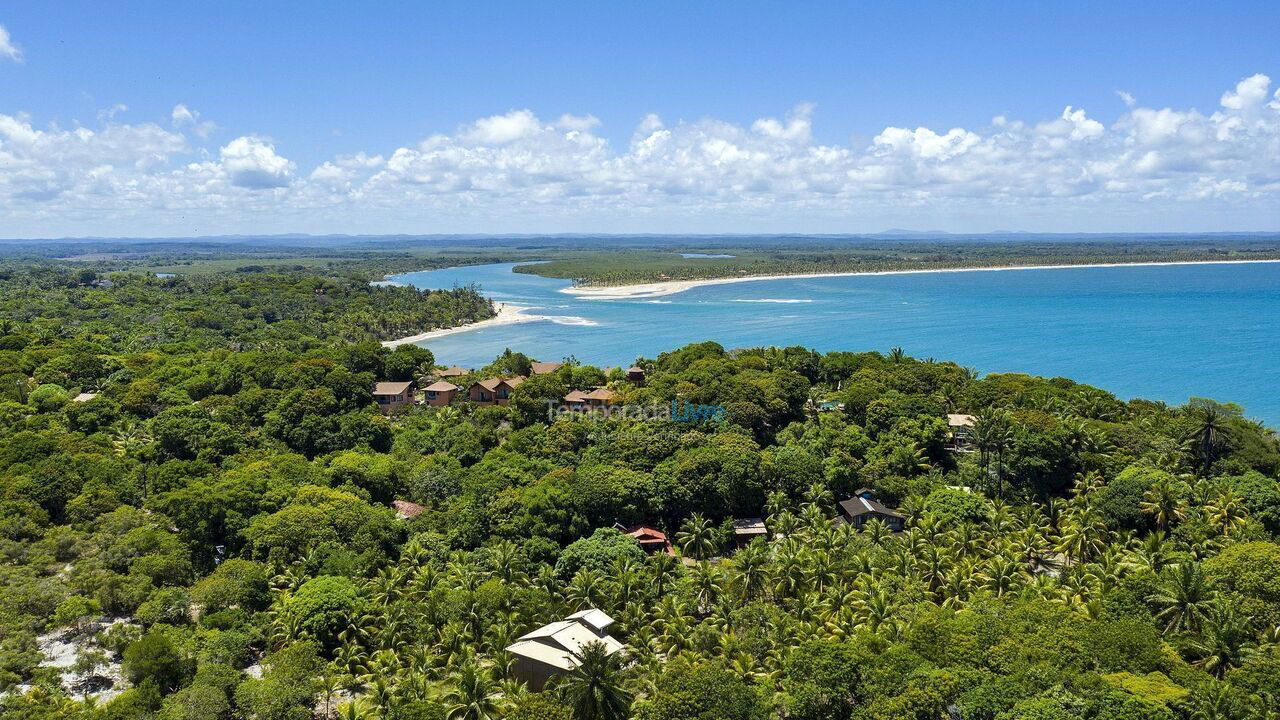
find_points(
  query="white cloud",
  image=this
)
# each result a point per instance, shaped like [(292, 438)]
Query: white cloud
[(7, 48), (1249, 92), (1127, 98), (517, 172), (252, 163), (183, 116)]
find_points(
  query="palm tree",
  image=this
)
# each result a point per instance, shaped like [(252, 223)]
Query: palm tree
[(1185, 597), (896, 354), (594, 690), (1209, 434), (474, 695), (1225, 642), (697, 537), (1163, 502)]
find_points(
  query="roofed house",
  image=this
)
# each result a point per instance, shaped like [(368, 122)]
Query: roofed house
[(747, 529), (541, 368), (392, 396), (858, 511), (600, 397), (961, 426), (556, 648), (576, 400), (635, 374), (439, 393), (454, 371), (494, 391), (651, 540)]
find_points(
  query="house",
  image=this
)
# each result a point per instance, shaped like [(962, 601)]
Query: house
[(392, 396), (858, 511), (635, 374), (556, 648), (865, 492), (650, 539), (961, 426), (747, 529), (541, 368), (406, 510), (454, 371), (494, 391), (576, 400), (440, 393), (600, 397)]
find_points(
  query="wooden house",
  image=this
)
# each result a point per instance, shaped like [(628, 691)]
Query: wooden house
[(635, 375), (961, 426), (858, 511), (747, 529), (650, 539), (544, 368)]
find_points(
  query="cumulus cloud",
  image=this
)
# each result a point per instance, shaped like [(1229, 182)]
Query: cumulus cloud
[(1065, 169), (183, 116), (252, 163), (7, 48)]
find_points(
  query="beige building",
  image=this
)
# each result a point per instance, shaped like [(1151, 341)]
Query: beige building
[(556, 648)]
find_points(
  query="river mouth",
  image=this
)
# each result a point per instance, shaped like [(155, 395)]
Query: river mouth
[(1166, 332)]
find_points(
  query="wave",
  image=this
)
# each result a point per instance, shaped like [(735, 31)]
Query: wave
[(775, 300), (570, 320), (658, 302)]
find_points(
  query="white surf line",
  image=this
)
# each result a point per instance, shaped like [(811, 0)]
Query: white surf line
[(508, 314), (671, 287)]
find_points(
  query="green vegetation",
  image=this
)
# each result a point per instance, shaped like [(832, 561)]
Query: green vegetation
[(213, 531), (816, 255)]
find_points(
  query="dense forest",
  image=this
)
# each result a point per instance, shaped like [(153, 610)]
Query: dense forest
[(724, 258), (60, 316), (211, 535)]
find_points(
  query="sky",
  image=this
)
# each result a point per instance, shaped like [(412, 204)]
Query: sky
[(159, 119)]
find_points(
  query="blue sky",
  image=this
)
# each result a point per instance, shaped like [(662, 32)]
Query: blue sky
[(273, 93)]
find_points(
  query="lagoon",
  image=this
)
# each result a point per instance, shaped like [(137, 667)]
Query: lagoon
[(1158, 332)]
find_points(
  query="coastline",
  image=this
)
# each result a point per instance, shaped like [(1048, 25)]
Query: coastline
[(671, 287), (507, 314)]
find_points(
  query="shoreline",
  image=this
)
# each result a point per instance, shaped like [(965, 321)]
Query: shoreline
[(671, 287), (507, 314)]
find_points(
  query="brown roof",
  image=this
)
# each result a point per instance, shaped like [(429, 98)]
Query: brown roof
[(635, 369), (646, 534), (390, 388), (490, 384), (514, 382), (454, 371), (749, 526), (541, 368), (600, 394), (440, 386), (575, 396), (407, 509)]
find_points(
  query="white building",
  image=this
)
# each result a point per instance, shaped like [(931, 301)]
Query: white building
[(556, 648)]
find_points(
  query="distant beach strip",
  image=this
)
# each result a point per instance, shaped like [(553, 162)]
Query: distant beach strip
[(671, 287)]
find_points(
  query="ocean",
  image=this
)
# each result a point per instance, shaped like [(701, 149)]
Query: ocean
[(1157, 332)]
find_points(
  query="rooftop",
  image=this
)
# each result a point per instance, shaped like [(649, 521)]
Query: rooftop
[(855, 506), (390, 388), (542, 368), (440, 386), (454, 371), (959, 420)]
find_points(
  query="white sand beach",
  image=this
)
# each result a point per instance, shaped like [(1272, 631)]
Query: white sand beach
[(671, 287), (508, 314)]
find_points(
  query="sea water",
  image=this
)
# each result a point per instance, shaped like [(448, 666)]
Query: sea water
[(1157, 332)]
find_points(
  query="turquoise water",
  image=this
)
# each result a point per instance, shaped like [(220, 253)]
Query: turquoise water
[(1162, 332)]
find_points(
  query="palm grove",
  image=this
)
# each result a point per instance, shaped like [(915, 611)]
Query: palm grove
[(214, 527)]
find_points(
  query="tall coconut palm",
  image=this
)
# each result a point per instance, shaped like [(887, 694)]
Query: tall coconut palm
[(1225, 642), (1208, 436), (1163, 501), (473, 696), (593, 691), (697, 537), (1184, 596)]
